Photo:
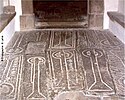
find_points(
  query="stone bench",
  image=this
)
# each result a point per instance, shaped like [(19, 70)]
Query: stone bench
[(7, 15), (7, 26), (117, 25), (5, 20), (118, 17)]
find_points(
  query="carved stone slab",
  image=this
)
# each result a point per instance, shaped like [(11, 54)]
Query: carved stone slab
[(55, 64)]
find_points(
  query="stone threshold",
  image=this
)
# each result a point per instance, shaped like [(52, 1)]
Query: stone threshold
[(118, 17), (61, 25)]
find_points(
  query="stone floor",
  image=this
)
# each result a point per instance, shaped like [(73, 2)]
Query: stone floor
[(63, 64)]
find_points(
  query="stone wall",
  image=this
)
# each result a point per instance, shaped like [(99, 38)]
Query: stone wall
[(121, 6), (1, 6), (95, 13)]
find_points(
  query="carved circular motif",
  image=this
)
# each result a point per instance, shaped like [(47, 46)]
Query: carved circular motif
[(92, 52), (6, 89), (32, 59), (14, 51), (122, 80), (108, 44), (60, 54)]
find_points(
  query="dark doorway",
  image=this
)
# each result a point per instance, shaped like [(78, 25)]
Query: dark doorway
[(60, 11)]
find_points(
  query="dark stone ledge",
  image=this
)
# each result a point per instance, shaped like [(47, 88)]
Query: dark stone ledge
[(118, 17), (5, 20)]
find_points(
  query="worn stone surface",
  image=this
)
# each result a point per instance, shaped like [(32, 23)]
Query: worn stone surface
[(96, 6), (27, 6), (114, 98), (95, 21), (41, 25), (63, 64), (118, 17), (5, 18), (9, 9), (73, 11), (27, 21)]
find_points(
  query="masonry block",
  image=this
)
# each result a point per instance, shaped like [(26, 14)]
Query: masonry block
[(9, 9), (27, 21)]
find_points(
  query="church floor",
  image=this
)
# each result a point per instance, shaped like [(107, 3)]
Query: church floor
[(63, 64)]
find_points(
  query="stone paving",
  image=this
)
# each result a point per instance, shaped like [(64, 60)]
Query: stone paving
[(63, 64)]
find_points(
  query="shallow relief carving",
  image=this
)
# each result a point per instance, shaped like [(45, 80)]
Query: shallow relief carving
[(61, 62)]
